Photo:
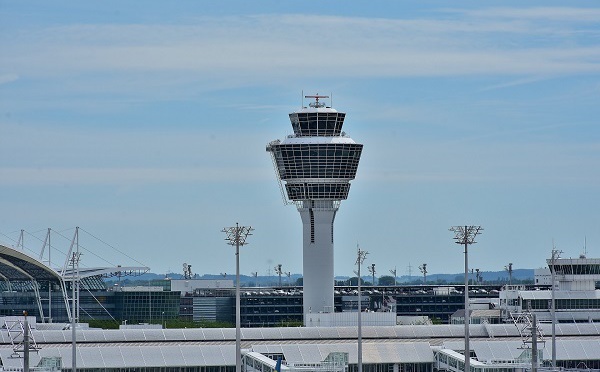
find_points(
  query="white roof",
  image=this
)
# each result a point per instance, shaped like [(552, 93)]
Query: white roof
[(373, 353), (132, 356), (316, 140), (508, 350), (547, 295), (319, 110)]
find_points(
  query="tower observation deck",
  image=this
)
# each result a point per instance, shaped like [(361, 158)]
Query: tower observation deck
[(316, 163)]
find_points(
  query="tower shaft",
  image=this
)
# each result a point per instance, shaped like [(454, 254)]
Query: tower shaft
[(317, 233)]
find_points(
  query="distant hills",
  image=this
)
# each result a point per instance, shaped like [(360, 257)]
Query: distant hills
[(487, 277)]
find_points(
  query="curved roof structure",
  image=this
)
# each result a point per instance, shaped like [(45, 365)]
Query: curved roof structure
[(18, 266)]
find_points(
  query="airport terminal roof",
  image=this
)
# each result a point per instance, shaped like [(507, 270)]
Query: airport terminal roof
[(487, 351), (429, 333), (17, 266)]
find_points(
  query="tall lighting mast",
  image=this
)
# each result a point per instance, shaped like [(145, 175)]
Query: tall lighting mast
[(236, 236), (360, 258), (423, 269), (393, 272), (465, 235), (510, 271), (555, 255), (372, 271)]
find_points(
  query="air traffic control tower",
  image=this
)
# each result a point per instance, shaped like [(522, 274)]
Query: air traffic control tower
[(316, 163)]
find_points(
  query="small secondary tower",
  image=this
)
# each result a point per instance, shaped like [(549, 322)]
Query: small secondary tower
[(317, 163)]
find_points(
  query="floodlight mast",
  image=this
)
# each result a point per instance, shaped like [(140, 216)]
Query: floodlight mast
[(278, 271), (555, 255), (360, 258), (372, 271), (465, 235), (423, 269), (237, 236), (394, 272), (510, 271)]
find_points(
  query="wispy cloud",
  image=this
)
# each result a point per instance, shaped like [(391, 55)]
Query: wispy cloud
[(8, 78), (254, 47), (28, 176)]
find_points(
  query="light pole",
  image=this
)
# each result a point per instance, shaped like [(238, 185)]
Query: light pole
[(162, 320), (423, 269), (278, 271), (394, 273), (236, 236), (465, 235), (555, 255), (361, 255), (510, 271), (372, 271)]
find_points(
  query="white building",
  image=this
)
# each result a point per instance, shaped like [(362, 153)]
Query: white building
[(576, 297)]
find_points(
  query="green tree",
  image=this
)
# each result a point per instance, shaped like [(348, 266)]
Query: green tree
[(387, 280)]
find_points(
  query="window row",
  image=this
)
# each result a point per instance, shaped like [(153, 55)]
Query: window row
[(336, 191), (317, 124)]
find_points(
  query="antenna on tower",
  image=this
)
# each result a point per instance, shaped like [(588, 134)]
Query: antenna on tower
[(409, 271)]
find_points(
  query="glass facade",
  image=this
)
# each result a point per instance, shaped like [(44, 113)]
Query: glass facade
[(317, 124), (337, 160), (146, 306)]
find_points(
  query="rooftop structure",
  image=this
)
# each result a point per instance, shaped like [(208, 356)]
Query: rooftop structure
[(316, 163), (577, 299)]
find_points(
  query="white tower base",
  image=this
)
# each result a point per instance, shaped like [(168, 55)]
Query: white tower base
[(318, 276)]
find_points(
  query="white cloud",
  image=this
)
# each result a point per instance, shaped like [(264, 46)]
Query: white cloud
[(8, 78), (127, 176), (276, 46), (562, 14)]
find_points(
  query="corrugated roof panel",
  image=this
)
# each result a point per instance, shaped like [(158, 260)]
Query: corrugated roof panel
[(229, 333), (173, 356), (152, 357), (309, 353), (271, 334), (252, 333), (329, 333), (113, 358), (347, 332), (131, 355), (291, 332), (133, 335), (153, 335), (192, 355), (174, 334), (370, 332), (213, 334), (114, 335), (385, 332), (193, 334), (292, 353), (371, 354)]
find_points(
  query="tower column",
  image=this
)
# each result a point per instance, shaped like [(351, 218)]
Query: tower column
[(318, 274)]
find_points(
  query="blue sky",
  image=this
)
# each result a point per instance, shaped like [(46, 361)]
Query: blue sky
[(145, 123)]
